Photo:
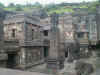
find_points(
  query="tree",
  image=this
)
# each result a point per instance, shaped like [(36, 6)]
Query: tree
[(92, 6), (19, 8), (37, 4), (43, 13), (2, 5), (11, 5), (51, 6)]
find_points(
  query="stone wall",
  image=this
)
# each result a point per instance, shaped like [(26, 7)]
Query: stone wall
[(30, 56), (98, 21), (28, 34), (34, 55), (33, 32), (3, 56)]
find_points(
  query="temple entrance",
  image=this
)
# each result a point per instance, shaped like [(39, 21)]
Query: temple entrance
[(46, 50), (11, 62)]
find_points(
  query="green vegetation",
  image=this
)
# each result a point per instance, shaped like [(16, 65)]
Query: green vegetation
[(92, 6), (61, 10), (1, 5), (50, 8)]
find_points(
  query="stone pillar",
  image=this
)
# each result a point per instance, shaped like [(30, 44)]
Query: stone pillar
[(54, 59), (22, 58)]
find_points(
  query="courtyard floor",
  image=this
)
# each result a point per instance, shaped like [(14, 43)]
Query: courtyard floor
[(69, 68)]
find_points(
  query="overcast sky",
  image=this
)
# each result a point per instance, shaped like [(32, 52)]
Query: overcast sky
[(6, 2)]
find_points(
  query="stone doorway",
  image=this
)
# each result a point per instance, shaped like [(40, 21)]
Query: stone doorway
[(46, 50), (11, 62)]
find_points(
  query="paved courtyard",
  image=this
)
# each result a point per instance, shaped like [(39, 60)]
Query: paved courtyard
[(17, 72), (69, 68), (42, 70)]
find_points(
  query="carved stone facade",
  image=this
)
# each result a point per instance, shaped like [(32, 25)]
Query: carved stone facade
[(80, 18), (68, 36), (29, 40), (23, 40)]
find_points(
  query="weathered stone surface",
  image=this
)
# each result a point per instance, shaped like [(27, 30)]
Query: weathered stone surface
[(85, 53), (74, 50), (70, 59), (23, 40), (16, 72), (83, 68), (3, 56), (54, 59)]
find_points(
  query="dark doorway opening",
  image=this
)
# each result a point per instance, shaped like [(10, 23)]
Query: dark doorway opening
[(11, 62), (46, 51), (13, 33), (45, 32), (66, 54)]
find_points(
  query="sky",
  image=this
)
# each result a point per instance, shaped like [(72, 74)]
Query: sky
[(6, 2)]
